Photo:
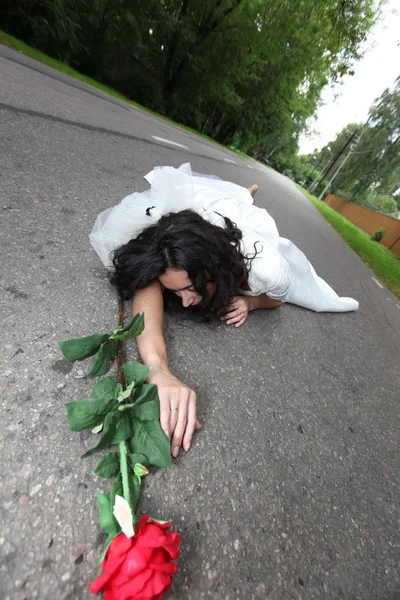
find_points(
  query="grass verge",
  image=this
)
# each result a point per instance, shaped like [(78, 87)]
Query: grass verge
[(15, 43), (381, 260)]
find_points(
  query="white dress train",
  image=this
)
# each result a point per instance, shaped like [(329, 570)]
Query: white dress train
[(280, 269)]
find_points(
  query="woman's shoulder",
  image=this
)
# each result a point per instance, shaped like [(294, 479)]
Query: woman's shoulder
[(269, 271)]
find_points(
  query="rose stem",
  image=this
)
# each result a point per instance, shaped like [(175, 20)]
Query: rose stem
[(124, 472), (120, 344)]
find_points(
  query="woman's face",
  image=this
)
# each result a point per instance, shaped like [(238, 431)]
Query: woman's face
[(178, 282)]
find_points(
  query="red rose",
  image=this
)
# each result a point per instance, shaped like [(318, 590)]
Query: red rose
[(140, 567)]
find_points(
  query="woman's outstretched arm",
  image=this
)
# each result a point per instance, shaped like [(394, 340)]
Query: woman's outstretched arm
[(179, 423)]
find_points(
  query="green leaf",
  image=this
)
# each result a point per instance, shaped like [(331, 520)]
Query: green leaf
[(124, 428), (124, 394), (106, 388), (135, 373), (134, 459), (147, 403), (147, 392), (134, 489), (108, 465), (140, 470), (83, 414), (81, 348), (132, 329), (107, 434), (87, 414), (137, 321), (123, 407), (98, 428), (106, 517), (102, 361), (149, 439)]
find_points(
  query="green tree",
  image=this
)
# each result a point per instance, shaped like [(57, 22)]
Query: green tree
[(371, 175), (378, 153), (49, 25), (244, 71), (384, 203)]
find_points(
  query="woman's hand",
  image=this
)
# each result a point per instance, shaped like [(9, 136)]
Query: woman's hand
[(242, 305), (238, 310), (177, 408)]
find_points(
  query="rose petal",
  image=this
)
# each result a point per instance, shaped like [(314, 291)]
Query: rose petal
[(139, 567), (141, 524), (136, 562), (152, 536), (130, 590), (155, 586), (115, 557), (164, 567), (119, 546)]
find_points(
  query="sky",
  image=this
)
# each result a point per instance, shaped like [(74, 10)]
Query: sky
[(375, 72)]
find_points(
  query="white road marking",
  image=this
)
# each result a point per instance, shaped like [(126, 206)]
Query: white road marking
[(169, 142), (378, 283), (250, 167), (398, 305), (229, 161)]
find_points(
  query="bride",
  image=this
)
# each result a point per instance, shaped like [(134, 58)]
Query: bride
[(203, 240)]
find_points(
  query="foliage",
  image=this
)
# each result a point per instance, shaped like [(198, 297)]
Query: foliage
[(381, 260), (103, 345), (378, 235), (371, 175), (298, 167), (247, 72), (125, 414), (48, 25), (384, 203)]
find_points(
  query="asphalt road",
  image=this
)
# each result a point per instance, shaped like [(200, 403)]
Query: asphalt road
[(291, 489)]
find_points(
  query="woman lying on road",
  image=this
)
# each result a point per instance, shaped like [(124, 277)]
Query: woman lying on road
[(202, 239)]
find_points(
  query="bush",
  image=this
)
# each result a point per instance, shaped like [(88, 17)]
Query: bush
[(378, 235)]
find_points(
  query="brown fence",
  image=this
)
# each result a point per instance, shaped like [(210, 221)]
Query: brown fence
[(369, 221)]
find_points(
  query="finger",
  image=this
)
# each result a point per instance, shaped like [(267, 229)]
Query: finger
[(165, 411), (197, 425), (181, 424), (235, 319), (191, 422), (240, 322), (234, 313), (228, 314), (173, 415)]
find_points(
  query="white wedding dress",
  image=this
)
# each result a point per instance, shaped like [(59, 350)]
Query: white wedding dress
[(280, 269)]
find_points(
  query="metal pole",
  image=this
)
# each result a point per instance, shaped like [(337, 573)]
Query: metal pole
[(333, 176), (321, 175), (308, 176), (329, 169)]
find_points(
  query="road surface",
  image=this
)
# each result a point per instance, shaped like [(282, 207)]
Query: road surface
[(291, 489)]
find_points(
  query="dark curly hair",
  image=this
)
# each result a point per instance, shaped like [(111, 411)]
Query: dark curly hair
[(185, 241)]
